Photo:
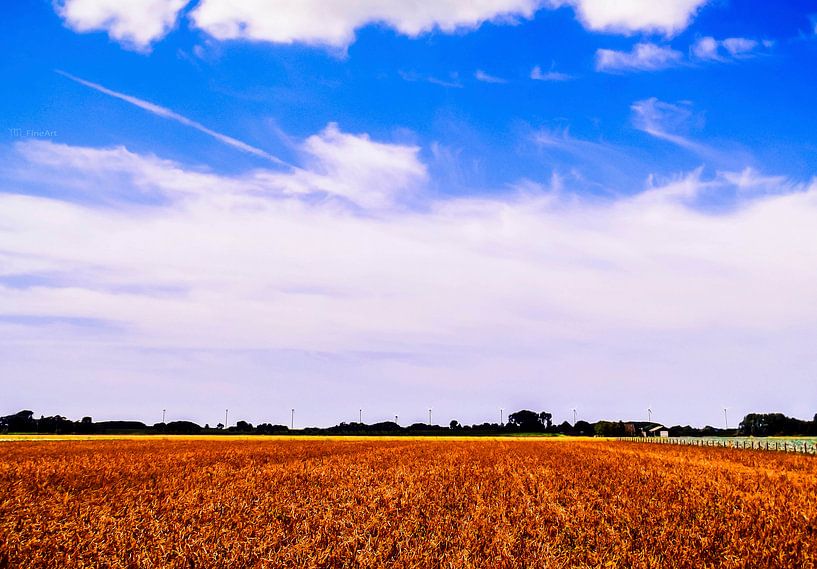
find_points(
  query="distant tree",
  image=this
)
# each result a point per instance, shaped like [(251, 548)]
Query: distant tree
[(425, 428), (344, 428), (123, 427), (753, 424), (583, 428), (384, 427), (565, 428), (685, 431), (529, 422), (20, 422), (183, 428), (610, 429), (772, 424), (56, 424), (454, 425), (85, 426), (267, 429), (243, 427), (219, 426)]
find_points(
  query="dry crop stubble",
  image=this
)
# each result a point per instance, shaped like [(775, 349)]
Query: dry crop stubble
[(266, 502)]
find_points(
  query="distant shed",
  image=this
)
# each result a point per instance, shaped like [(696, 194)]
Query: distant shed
[(658, 431)]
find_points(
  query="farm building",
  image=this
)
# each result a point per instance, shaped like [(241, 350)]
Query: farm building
[(657, 431)]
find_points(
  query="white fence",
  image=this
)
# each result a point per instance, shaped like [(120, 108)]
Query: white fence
[(801, 446)]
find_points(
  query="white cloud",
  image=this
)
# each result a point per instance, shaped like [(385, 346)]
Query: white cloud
[(706, 48), (538, 75), (643, 57), (91, 171), (139, 23), (480, 75), (579, 298), (135, 23), (369, 174), (665, 16), (334, 23), (710, 49), (739, 46)]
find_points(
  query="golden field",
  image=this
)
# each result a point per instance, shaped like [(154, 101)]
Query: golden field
[(352, 502)]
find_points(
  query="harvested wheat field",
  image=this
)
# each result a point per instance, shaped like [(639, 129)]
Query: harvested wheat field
[(402, 503)]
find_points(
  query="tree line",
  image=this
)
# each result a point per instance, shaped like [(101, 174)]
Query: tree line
[(520, 422)]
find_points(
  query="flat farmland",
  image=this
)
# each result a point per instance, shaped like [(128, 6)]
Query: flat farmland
[(269, 502)]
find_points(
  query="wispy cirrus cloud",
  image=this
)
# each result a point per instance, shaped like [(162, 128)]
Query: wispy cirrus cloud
[(665, 121), (643, 57), (653, 57), (599, 165), (480, 75), (538, 75), (452, 81)]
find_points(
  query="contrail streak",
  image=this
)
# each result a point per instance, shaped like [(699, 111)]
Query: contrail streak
[(168, 114)]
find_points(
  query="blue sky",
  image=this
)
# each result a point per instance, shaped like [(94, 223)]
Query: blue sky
[(512, 203)]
